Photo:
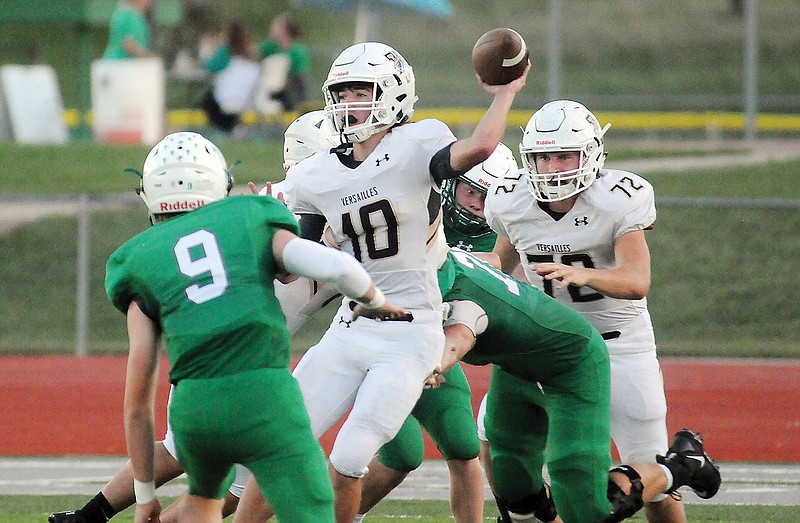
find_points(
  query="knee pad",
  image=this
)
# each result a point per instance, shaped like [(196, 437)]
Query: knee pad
[(540, 505), (402, 458), (406, 450), (465, 446), (350, 472), (624, 505)]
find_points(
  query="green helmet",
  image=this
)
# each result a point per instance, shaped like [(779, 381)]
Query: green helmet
[(458, 217)]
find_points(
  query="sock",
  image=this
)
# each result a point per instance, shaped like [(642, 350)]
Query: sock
[(98, 510), (670, 478), (359, 518), (522, 518)]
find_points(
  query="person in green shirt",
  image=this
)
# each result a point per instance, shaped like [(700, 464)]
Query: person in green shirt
[(236, 74), (128, 32), (284, 32), (309, 133), (463, 200), (201, 279), (283, 38)]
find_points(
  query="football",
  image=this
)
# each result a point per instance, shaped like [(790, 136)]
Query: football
[(500, 56)]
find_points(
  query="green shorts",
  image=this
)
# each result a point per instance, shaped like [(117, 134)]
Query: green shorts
[(257, 419), (446, 414), (563, 422)]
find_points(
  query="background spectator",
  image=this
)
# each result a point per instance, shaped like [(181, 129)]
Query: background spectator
[(236, 72), (129, 32), (283, 36)]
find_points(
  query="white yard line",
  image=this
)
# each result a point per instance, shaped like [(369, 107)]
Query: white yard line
[(743, 483)]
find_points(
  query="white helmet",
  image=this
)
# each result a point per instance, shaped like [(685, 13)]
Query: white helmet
[(309, 133), (499, 164), (392, 82), (559, 126), (182, 172)]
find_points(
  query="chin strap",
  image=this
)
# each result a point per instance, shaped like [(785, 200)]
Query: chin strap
[(134, 171), (229, 176), (137, 190)]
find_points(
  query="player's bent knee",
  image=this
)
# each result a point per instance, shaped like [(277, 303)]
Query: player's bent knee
[(402, 458), (466, 450), (625, 505), (348, 471)]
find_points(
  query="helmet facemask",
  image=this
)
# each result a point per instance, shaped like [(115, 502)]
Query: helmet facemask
[(458, 216), (372, 66), (558, 127)]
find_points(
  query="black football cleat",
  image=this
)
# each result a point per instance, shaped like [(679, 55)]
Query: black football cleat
[(540, 506), (690, 465), (70, 516)]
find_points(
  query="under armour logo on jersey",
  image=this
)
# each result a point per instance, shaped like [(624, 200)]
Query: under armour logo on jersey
[(346, 322), (384, 159), (464, 246), (581, 221)]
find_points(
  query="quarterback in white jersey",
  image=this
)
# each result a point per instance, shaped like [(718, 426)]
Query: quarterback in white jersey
[(379, 192), (578, 233), (379, 210)]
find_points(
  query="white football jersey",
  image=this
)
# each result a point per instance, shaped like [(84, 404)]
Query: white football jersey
[(616, 203), (385, 212)]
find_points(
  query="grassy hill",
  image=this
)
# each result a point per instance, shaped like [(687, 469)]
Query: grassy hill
[(617, 54), (721, 284)]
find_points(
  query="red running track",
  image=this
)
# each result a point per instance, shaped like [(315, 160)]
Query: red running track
[(747, 410)]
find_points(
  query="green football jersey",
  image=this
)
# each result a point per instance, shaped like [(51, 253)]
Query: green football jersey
[(529, 335), (206, 277), (482, 243)]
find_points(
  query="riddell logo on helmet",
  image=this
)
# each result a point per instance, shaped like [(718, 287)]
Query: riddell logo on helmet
[(485, 183), (181, 206), (545, 142)]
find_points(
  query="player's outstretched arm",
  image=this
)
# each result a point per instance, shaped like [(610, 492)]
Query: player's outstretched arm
[(306, 258), (469, 152), (459, 340)]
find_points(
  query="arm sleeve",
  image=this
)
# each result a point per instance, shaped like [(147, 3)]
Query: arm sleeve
[(312, 260), (267, 48), (469, 314), (440, 165), (300, 59), (311, 226)]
